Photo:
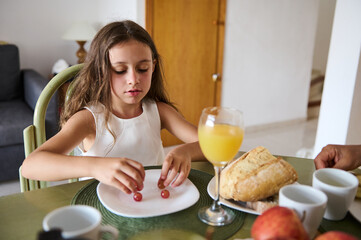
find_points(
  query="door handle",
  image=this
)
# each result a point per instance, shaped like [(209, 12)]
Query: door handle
[(216, 77)]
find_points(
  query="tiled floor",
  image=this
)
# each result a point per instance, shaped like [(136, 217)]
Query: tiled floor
[(289, 139), (295, 138), (11, 187)]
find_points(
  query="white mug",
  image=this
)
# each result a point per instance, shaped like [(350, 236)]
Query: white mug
[(340, 187), (78, 221), (308, 202)]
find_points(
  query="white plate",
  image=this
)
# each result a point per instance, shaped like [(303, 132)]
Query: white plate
[(355, 209), (241, 206), (152, 203)]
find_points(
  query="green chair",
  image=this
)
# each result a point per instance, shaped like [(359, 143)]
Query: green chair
[(34, 135)]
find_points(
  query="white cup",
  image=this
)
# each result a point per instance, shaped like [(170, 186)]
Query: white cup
[(340, 187), (308, 202), (78, 221)]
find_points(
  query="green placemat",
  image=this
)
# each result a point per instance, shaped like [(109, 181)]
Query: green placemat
[(185, 221), (349, 225)]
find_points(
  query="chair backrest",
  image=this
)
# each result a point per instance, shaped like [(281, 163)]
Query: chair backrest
[(34, 135)]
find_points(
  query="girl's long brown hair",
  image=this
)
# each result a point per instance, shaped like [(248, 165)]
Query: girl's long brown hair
[(93, 83)]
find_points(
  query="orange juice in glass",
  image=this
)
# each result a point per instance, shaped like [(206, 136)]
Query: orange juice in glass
[(220, 134), (220, 143)]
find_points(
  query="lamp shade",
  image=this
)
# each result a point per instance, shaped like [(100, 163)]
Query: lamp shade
[(80, 31)]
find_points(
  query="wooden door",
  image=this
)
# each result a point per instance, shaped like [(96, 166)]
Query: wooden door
[(189, 36)]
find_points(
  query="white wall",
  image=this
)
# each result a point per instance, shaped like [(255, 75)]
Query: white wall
[(340, 114), (268, 58), (268, 46), (113, 10), (326, 13), (354, 126), (37, 26)]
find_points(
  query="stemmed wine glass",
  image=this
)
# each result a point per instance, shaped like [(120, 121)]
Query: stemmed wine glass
[(220, 134)]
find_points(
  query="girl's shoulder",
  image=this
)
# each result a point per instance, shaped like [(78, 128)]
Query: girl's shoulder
[(82, 119), (95, 107), (155, 105), (167, 112), (164, 107), (79, 126)]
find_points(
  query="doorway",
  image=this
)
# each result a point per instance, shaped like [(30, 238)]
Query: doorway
[(189, 36)]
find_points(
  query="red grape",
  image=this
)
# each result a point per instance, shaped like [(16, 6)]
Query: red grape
[(137, 196), (165, 194), (161, 184)]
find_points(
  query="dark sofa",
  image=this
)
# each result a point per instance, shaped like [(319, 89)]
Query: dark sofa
[(19, 91)]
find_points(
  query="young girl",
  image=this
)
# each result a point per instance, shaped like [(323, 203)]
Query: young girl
[(115, 115)]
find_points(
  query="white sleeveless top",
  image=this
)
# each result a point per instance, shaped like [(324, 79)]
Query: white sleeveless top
[(136, 138)]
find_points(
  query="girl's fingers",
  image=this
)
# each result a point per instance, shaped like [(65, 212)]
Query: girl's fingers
[(180, 179), (165, 168), (139, 167), (131, 177), (172, 174), (129, 182), (173, 166), (117, 184), (182, 176)]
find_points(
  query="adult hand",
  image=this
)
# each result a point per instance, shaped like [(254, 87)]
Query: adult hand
[(346, 157), (125, 174)]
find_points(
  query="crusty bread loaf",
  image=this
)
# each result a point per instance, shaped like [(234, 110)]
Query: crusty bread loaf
[(255, 175)]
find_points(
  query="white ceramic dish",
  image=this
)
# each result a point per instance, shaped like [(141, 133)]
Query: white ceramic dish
[(355, 209), (240, 206), (152, 203)]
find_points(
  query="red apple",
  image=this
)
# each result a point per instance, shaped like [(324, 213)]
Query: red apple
[(335, 235), (278, 223)]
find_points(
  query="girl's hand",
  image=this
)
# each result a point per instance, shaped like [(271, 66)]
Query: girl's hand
[(125, 174), (176, 161), (179, 159)]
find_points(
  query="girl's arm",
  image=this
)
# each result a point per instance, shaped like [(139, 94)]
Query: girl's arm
[(179, 159), (50, 161)]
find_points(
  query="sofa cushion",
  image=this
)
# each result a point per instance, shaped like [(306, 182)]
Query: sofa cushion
[(10, 83), (11, 159), (15, 116)]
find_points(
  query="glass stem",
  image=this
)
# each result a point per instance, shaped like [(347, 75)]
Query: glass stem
[(217, 170)]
